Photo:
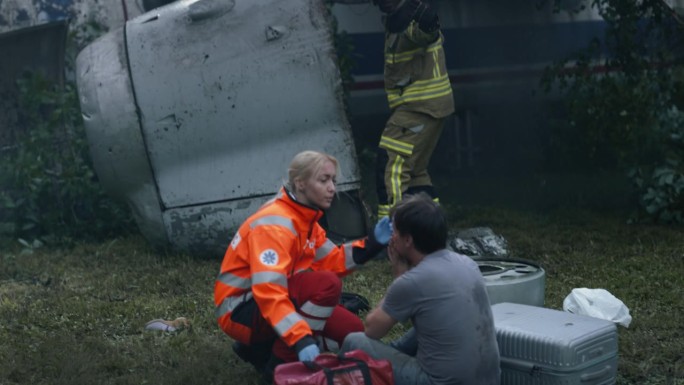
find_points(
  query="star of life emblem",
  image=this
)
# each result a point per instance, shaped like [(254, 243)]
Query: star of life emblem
[(269, 257)]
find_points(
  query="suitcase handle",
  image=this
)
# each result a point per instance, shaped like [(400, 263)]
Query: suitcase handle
[(598, 374)]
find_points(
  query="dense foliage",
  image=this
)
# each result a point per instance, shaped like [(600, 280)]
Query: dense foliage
[(623, 102), (50, 192)]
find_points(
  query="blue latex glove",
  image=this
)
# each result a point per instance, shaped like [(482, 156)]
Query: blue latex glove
[(383, 231), (308, 353)]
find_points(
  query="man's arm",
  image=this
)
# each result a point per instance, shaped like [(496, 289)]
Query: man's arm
[(378, 323)]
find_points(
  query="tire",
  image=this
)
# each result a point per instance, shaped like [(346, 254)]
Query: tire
[(513, 280)]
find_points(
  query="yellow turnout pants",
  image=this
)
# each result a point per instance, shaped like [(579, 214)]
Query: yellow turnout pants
[(405, 149)]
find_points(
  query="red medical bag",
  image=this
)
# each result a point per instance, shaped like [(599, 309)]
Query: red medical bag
[(350, 368)]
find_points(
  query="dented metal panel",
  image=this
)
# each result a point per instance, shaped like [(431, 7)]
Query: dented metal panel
[(194, 110), (116, 144), (207, 229), (237, 87)]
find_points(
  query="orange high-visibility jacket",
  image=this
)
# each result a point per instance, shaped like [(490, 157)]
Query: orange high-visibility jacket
[(281, 239)]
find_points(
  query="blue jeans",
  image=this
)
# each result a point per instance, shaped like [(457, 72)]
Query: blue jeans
[(401, 354)]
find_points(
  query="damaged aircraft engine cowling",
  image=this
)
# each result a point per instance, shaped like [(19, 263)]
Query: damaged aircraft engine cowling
[(193, 111)]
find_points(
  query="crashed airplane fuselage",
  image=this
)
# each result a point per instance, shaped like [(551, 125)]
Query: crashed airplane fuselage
[(194, 110)]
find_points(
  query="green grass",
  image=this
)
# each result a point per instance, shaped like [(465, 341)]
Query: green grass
[(77, 316)]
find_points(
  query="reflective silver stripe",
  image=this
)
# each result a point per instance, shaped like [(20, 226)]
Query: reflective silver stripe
[(230, 303), (270, 277), (286, 323), (234, 281), (349, 256), (274, 220), (315, 324), (316, 310), (324, 250), (299, 271)]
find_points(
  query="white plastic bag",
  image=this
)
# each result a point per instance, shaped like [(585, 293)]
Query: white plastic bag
[(597, 303)]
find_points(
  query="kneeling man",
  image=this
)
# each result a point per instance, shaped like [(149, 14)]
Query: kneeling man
[(443, 294)]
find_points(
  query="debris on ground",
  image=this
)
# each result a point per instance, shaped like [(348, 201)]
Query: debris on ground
[(478, 241), (168, 325)]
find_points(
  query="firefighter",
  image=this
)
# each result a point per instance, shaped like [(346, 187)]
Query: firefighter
[(278, 291), (420, 98)]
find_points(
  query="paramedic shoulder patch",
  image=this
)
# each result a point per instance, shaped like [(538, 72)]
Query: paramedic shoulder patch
[(269, 257), (236, 241)]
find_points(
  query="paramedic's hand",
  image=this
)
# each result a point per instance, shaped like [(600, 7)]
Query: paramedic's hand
[(308, 353), (383, 231)]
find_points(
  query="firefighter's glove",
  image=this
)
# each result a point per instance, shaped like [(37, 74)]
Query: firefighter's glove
[(402, 17), (308, 353), (383, 231), (426, 17), (387, 6)]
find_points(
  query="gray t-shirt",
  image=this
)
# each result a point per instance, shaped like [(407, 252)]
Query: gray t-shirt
[(446, 299)]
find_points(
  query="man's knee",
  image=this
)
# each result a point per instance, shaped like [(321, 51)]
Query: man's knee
[(354, 341)]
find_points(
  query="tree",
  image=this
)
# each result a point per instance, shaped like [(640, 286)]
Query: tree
[(624, 99)]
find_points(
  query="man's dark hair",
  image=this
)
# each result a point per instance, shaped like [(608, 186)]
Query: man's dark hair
[(417, 215)]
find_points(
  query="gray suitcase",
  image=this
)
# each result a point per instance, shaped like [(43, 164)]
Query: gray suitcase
[(545, 346)]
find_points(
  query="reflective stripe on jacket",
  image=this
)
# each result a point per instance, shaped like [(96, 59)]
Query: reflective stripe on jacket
[(281, 239), (416, 77)]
